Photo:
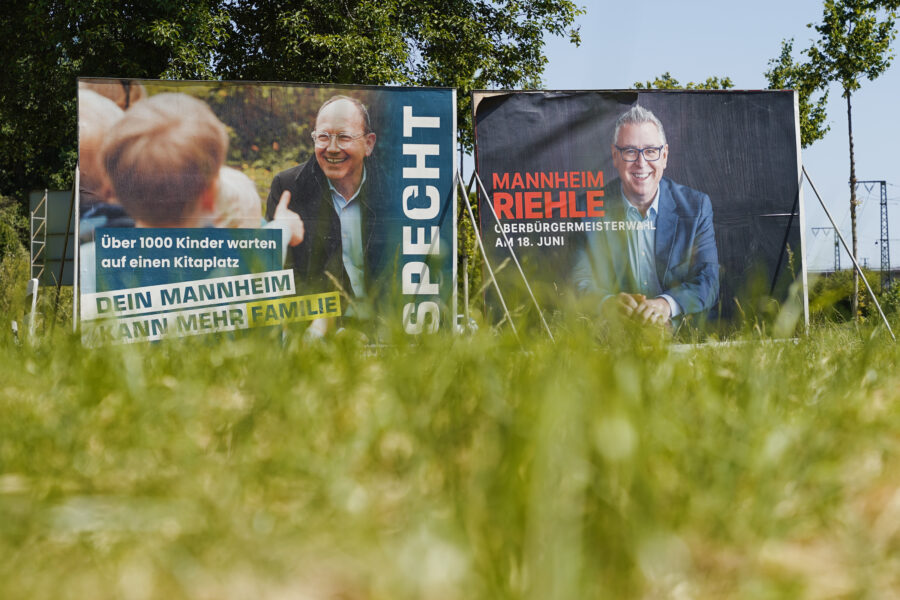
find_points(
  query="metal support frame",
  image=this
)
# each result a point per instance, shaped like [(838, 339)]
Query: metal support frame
[(512, 253), (477, 230), (62, 262), (837, 246), (38, 237), (837, 253), (885, 242), (31, 297), (852, 258)]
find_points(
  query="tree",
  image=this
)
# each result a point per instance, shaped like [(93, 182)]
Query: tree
[(854, 42), (667, 82), (466, 44), (45, 44), (784, 73), (13, 227)]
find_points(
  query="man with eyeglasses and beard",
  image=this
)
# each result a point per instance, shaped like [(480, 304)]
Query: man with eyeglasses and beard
[(662, 264), (336, 193)]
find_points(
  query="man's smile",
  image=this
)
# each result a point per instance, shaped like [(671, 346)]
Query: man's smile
[(349, 142), (640, 177)]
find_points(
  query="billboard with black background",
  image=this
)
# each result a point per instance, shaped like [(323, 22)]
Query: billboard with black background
[(732, 165)]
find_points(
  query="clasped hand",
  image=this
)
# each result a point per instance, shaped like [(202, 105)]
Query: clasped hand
[(638, 307)]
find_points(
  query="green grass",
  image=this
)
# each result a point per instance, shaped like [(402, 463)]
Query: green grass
[(466, 468)]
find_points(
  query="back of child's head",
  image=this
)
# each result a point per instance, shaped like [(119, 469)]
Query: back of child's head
[(163, 155), (237, 200), (96, 117)]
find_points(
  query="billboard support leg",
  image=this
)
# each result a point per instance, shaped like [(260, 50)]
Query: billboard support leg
[(465, 265), (512, 252), (852, 258), (31, 297), (484, 255), (784, 244), (62, 263)]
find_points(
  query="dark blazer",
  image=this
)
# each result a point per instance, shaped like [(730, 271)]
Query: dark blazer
[(687, 262), (321, 249)]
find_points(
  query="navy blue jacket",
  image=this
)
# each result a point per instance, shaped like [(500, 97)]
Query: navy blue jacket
[(687, 262), (321, 250)]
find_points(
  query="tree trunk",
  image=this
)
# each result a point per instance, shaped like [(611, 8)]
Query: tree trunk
[(854, 302)]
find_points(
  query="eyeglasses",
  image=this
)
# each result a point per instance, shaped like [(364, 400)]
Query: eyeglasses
[(650, 153), (322, 139)]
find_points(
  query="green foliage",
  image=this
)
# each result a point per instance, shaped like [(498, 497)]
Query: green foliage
[(14, 274), (854, 41), (784, 73), (452, 467), (667, 82), (831, 294), (54, 307), (45, 44), (890, 300), (464, 44), (13, 227), (15, 271), (468, 248)]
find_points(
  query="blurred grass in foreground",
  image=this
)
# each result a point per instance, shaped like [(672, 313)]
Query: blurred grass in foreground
[(453, 468)]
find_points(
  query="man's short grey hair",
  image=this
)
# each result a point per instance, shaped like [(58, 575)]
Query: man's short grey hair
[(637, 115), (359, 106)]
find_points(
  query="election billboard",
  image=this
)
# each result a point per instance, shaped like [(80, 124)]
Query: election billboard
[(678, 207), (209, 206)]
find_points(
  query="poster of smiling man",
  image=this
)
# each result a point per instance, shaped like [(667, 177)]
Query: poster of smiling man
[(216, 206), (668, 207)]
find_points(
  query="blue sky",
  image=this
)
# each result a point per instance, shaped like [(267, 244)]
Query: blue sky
[(627, 42)]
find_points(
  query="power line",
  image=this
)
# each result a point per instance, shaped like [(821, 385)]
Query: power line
[(837, 247)]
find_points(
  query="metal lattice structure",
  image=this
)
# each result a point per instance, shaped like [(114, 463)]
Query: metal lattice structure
[(837, 247), (38, 237), (885, 238), (837, 252), (885, 241)]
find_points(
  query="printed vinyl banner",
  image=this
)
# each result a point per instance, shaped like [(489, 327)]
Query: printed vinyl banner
[(217, 206), (668, 206)]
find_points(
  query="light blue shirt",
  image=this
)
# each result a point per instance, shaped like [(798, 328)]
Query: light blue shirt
[(642, 250), (350, 216)]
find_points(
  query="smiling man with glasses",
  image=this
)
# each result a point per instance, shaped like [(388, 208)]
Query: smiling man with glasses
[(336, 192), (662, 263)]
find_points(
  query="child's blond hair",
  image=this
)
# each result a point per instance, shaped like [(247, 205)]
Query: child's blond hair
[(163, 155)]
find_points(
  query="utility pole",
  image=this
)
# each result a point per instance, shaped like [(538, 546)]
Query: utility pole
[(837, 252), (837, 247), (885, 238)]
